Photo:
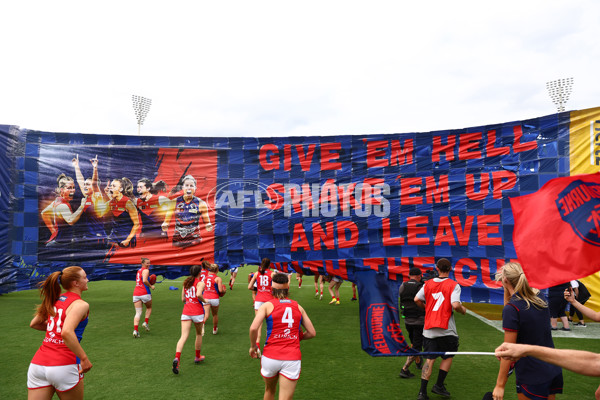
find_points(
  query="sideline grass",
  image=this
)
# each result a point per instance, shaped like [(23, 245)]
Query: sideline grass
[(333, 367)]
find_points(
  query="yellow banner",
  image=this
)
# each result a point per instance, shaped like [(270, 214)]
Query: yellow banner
[(584, 158)]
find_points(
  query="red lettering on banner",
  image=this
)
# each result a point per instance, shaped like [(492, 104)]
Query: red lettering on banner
[(387, 239), (313, 265), (330, 153), (305, 158), (518, 146), (321, 235), (434, 193), (275, 192), (401, 154), (483, 187), (299, 239), (447, 149), (408, 187), (463, 234), (394, 270), (268, 157), (437, 193), (414, 228), (375, 154), (486, 276), (490, 148), (341, 271), (459, 272), (287, 157), (448, 230), (503, 180), (444, 232), (468, 142), (346, 194), (343, 240), (484, 230), (374, 263)]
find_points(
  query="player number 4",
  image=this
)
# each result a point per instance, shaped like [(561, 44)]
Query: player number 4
[(287, 317)]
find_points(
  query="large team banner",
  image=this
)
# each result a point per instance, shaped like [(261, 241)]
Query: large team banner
[(319, 204)]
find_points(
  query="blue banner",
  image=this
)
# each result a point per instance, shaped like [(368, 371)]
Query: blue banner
[(380, 331), (321, 204)]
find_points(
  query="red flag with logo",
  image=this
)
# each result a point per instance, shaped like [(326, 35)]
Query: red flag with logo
[(557, 230)]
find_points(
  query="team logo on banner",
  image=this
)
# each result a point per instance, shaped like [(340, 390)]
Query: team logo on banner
[(383, 328), (579, 206)]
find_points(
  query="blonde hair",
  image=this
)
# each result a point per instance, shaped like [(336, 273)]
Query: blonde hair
[(513, 272)]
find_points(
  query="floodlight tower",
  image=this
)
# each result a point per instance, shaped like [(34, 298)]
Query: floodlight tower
[(141, 106), (559, 91)]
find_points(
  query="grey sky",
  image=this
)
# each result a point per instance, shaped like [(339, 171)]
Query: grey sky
[(278, 68)]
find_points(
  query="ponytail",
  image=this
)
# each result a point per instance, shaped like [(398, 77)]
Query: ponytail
[(50, 289), (189, 281)]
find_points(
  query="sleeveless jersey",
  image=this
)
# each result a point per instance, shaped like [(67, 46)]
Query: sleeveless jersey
[(121, 224), (187, 222), (151, 217), (90, 226), (53, 350), (210, 290), (140, 289), (64, 231), (263, 286), (283, 331), (438, 306), (192, 305)]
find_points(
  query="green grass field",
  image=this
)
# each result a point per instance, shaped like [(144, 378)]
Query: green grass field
[(333, 366)]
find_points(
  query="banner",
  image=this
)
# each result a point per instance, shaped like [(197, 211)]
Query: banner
[(319, 204), (380, 331)]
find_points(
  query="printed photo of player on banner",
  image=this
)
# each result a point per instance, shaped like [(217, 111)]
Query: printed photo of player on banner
[(114, 205)]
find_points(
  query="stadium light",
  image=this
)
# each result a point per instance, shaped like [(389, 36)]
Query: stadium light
[(559, 91), (141, 106)]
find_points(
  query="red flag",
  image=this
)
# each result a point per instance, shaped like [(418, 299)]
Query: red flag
[(557, 230)]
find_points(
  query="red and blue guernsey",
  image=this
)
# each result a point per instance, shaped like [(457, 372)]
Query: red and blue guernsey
[(283, 331), (140, 289), (121, 221), (90, 225), (210, 290), (263, 286), (187, 222), (151, 217), (64, 231), (53, 350), (192, 306)]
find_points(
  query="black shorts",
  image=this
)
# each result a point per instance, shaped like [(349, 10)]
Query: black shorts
[(415, 333), (440, 344), (557, 306)]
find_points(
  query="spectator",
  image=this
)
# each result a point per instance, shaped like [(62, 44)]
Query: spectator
[(414, 318)]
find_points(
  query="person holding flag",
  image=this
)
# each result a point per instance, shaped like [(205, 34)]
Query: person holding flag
[(439, 297)]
